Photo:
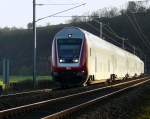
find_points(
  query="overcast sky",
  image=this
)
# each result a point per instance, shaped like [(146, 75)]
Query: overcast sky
[(18, 13)]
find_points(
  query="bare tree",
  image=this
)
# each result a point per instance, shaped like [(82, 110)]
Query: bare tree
[(113, 12), (30, 25), (75, 19), (132, 7)]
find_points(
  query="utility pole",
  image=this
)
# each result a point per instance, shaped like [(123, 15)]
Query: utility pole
[(123, 40), (6, 66), (101, 29), (34, 36), (101, 25), (134, 50)]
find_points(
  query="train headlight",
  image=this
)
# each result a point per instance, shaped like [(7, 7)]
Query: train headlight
[(75, 60), (61, 60), (69, 35)]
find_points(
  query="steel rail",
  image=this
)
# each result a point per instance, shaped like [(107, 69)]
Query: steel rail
[(16, 110), (69, 111), (26, 92)]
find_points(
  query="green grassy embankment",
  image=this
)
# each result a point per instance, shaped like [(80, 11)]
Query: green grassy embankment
[(24, 83), (17, 79), (1, 82)]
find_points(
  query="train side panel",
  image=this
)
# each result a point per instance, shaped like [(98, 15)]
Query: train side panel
[(105, 59)]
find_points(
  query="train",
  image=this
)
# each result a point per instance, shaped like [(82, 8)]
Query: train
[(79, 57)]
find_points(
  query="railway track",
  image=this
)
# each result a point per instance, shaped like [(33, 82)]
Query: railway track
[(12, 100), (64, 106), (24, 93), (24, 98)]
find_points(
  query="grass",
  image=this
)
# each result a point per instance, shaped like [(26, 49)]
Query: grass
[(145, 108), (1, 83), (18, 79), (25, 83)]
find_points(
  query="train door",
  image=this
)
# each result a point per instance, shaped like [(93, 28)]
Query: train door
[(112, 65), (91, 62), (127, 66), (95, 64), (109, 67)]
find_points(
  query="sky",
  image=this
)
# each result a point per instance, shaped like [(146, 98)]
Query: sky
[(18, 13)]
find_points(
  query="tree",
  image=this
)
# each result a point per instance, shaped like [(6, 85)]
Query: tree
[(75, 19), (141, 9), (113, 12), (123, 12), (94, 16), (30, 25)]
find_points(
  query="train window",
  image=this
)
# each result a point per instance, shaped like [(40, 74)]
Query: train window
[(65, 47), (69, 49)]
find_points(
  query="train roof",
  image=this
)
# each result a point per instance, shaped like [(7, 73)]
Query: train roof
[(84, 33), (118, 49), (64, 32)]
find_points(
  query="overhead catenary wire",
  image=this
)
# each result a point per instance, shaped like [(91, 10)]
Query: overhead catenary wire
[(135, 28), (41, 4), (131, 46), (103, 33), (140, 30), (60, 12), (109, 29), (117, 36), (132, 23), (73, 16)]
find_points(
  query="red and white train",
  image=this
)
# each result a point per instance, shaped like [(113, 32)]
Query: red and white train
[(79, 57)]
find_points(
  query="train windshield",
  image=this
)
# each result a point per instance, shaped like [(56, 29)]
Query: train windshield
[(69, 48)]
